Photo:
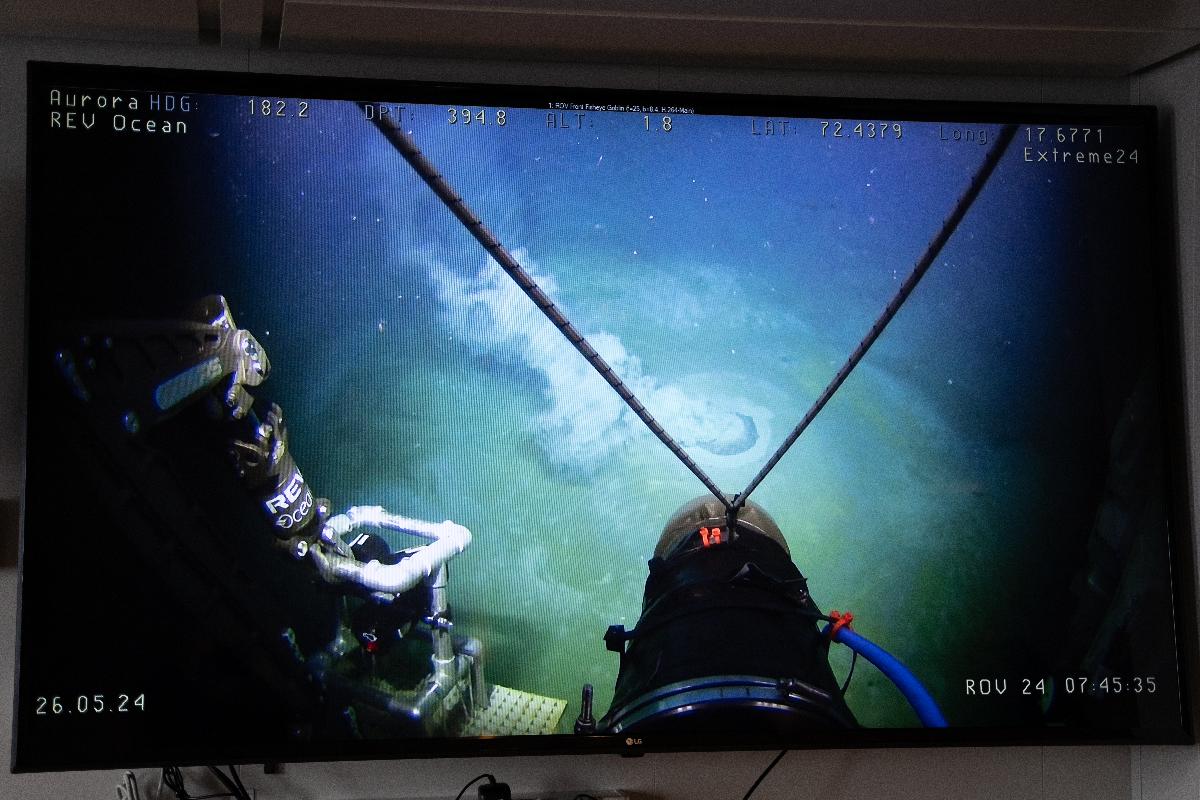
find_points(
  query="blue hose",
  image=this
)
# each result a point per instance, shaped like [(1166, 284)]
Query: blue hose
[(912, 689)]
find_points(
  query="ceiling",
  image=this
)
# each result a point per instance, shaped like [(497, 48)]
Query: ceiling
[(1068, 37)]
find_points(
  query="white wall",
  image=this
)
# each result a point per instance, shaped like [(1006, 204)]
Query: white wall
[(1169, 772), (1029, 772)]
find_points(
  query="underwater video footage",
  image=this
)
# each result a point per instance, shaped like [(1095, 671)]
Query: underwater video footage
[(416, 420)]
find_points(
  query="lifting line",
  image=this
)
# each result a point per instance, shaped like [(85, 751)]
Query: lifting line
[(445, 192), (889, 311)]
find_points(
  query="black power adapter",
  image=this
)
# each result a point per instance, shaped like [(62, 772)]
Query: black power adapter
[(495, 791)]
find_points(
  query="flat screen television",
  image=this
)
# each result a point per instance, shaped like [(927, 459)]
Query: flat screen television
[(387, 419)]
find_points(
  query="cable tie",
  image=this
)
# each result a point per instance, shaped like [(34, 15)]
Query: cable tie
[(839, 621)]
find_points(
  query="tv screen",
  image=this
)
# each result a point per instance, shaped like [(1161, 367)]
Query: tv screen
[(383, 419)]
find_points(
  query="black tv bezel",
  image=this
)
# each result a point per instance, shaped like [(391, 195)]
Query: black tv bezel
[(42, 75)]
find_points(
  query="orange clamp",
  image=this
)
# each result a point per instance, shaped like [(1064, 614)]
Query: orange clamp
[(839, 621)]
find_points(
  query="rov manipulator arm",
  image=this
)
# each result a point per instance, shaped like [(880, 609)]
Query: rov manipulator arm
[(143, 373)]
